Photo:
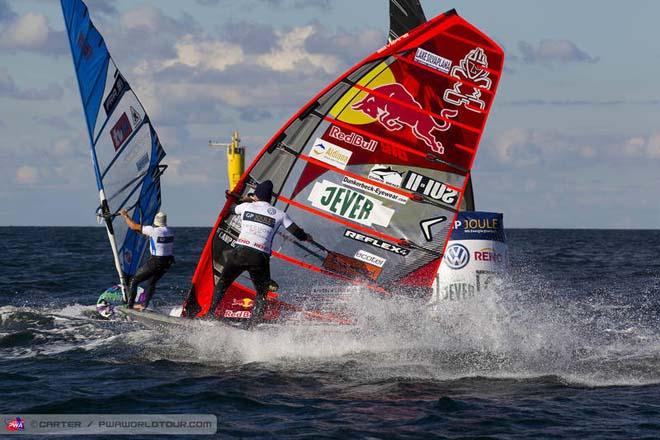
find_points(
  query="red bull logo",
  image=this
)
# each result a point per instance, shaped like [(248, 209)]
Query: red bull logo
[(241, 314), (394, 107), (246, 303)]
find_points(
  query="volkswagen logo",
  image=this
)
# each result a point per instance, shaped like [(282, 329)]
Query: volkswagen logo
[(457, 256)]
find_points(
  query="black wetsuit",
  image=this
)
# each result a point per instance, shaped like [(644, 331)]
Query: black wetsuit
[(152, 270), (257, 264)]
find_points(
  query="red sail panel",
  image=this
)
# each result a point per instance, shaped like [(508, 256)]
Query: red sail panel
[(374, 167)]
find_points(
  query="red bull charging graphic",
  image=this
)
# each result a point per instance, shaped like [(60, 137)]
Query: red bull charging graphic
[(394, 107)]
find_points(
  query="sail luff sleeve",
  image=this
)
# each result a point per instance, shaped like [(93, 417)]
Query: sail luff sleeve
[(72, 9)]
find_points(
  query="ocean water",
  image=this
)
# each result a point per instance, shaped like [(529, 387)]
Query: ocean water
[(568, 347)]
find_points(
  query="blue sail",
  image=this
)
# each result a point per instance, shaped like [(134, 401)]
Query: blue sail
[(126, 152)]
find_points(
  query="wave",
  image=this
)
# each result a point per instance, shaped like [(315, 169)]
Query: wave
[(509, 333)]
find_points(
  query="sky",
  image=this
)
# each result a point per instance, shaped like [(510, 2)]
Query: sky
[(572, 140)]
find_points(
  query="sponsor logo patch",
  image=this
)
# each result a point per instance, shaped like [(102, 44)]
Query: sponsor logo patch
[(432, 188), (121, 131), (458, 292), (373, 189), (376, 242), (488, 254), (370, 258), (240, 314), (426, 226), (473, 68), (385, 174), (349, 204), (330, 153), (246, 303), (231, 241), (457, 256), (432, 60), (394, 107), (351, 138), (478, 224), (350, 267), (115, 94), (259, 218), (135, 115)]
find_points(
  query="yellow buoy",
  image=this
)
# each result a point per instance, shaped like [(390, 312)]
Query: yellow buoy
[(235, 159)]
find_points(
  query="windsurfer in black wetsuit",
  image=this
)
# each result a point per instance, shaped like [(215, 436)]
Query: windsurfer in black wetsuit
[(259, 223), (161, 246)]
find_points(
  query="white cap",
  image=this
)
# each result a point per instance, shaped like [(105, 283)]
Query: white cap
[(160, 219)]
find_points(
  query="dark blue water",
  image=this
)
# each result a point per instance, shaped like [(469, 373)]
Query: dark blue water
[(568, 348)]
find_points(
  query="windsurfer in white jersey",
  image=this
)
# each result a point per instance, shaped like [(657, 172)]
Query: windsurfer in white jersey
[(259, 222), (161, 246)]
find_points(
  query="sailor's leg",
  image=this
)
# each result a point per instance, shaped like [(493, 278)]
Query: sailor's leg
[(231, 271), (259, 270), (162, 267), (145, 272)]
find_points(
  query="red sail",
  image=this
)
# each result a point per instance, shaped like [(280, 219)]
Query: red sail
[(374, 167)]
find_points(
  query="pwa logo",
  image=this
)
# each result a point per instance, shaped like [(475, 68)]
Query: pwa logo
[(394, 107), (457, 256), (15, 425)]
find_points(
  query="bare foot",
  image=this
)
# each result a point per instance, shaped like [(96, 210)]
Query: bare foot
[(138, 307)]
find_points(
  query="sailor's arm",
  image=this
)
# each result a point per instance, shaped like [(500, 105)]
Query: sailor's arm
[(131, 224), (296, 230)]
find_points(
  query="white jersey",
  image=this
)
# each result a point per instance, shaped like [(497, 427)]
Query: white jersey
[(259, 222), (161, 240)]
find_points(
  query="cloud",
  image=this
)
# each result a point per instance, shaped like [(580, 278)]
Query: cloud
[(538, 102), (27, 175), (9, 89), (6, 13), (310, 49), (320, 4), (53, 121), (205, 54), (251, 37), (245, 74), (254, 115), (528, 148), (290, 4), (29, 32), (291, 53), (107, 7), (516, 146), (349, 47), (150, 18), (554, 51)]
